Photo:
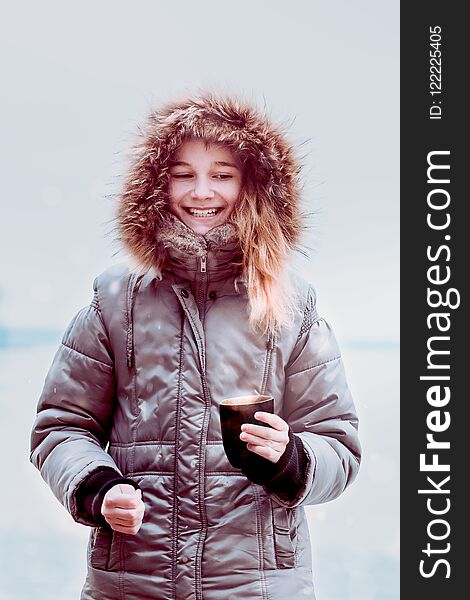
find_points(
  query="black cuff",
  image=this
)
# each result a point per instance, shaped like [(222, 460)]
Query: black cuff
[(92, 490), (291, 476), (285, 477)]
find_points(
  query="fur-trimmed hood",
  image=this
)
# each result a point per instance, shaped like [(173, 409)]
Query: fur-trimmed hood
[(271, 171)]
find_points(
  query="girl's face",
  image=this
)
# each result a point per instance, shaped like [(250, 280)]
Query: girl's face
[(204, 184)]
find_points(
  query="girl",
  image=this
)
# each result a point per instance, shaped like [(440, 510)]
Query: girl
[(127, 433)]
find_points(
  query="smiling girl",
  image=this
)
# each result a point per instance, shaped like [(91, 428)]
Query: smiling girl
[(204, 186), (127, 433)]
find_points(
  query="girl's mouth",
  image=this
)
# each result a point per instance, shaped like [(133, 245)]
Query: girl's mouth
[(203, 212)]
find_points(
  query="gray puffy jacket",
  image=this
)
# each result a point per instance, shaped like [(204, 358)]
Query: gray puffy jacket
[(135, 385)]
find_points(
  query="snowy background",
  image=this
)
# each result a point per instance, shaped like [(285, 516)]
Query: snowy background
[(77, 80)]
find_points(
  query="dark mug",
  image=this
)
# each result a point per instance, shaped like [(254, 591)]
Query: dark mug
[(233, 413)]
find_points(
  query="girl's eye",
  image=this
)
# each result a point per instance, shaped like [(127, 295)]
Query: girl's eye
[(223, 176), (181, 175)]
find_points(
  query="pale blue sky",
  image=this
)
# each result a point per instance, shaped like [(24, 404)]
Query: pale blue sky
[(77, 81)]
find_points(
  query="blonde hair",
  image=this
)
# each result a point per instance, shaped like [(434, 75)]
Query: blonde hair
[(265, 253)]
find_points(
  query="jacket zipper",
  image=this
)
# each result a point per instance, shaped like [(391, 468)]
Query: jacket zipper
[(201, 286), (203, 263), (201, 301), (267, 363)]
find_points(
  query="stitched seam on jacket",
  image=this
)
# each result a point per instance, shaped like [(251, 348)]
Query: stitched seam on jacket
[(131, 292), (171, 473), (148, 473), (122, 591), (141, 443), (199, 340), (276, 557), (202, 485), (315, 366), (201, 465), (95, 303), (86, 356), (310, 314), (135, 412), (224, 473), (307, 324), (174, 518), (129, 323), (259, 537), (133, 286), (296, 518)]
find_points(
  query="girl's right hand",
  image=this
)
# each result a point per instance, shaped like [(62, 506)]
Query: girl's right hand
[(123, 508)]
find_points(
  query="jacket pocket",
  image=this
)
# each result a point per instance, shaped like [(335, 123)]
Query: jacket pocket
[(284, 533), (100, 548)]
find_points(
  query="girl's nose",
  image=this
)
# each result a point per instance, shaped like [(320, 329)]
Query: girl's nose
[(202, 189)]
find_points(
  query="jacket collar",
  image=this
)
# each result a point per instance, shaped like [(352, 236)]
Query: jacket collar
[(189, 254)]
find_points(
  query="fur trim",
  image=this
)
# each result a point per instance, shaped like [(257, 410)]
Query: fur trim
[(173, 233), (270, 169)]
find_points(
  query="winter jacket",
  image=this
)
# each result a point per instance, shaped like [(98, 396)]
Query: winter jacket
[(135, 386)]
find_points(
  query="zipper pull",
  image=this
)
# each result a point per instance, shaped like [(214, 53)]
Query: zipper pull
[(203, 263)]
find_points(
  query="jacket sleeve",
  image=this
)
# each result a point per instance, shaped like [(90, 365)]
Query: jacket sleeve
[(75, 409), (319, 408)]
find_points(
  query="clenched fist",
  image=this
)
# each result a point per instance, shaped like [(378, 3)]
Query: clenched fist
[(123, 508)]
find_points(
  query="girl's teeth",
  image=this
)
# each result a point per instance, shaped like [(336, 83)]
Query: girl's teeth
[(203, 213)]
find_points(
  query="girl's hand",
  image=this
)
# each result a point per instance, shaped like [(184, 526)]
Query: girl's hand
[(123, 508), (268, 442)]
